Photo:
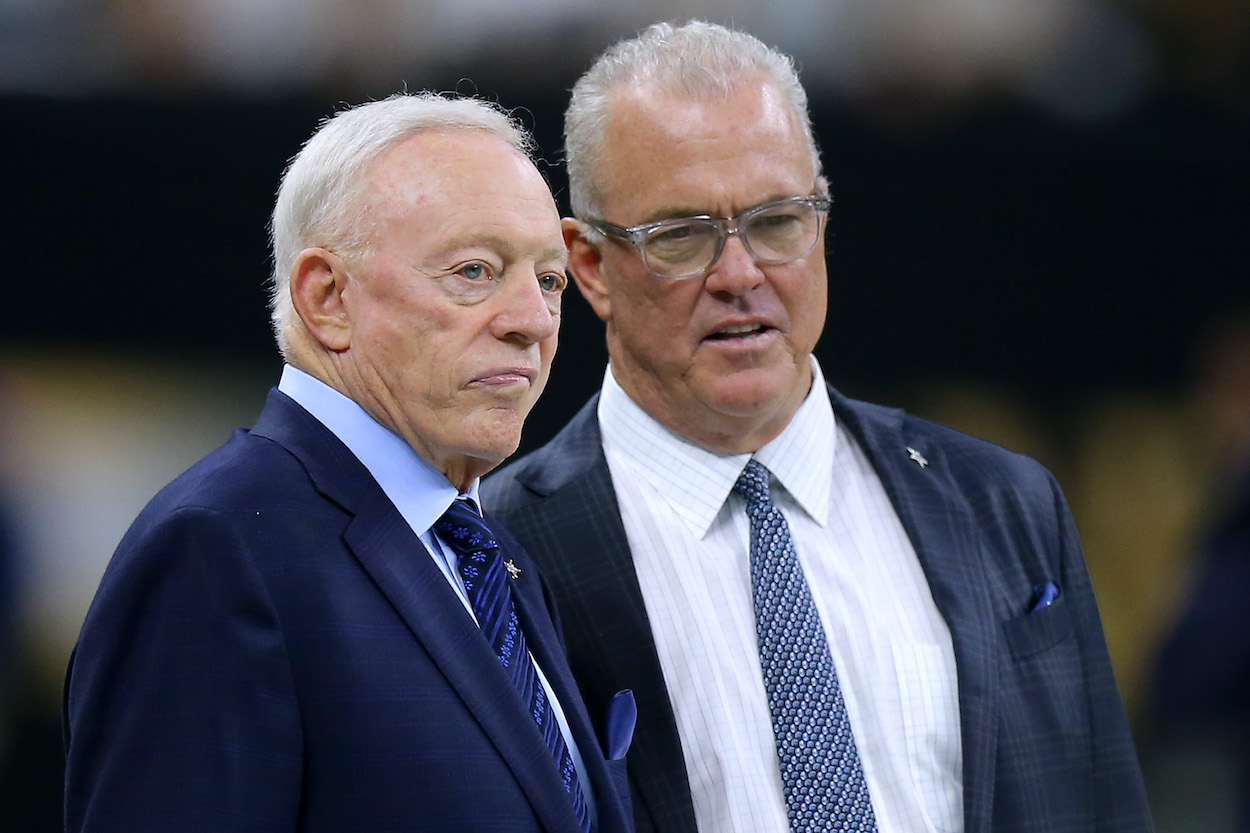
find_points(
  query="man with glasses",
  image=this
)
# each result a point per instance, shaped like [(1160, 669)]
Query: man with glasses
[(834, 616)]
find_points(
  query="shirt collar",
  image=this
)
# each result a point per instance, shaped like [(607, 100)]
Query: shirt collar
[(696, 481), (419, 491)]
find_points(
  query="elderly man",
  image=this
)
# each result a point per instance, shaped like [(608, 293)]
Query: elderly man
[(285, 640), (835, 616)]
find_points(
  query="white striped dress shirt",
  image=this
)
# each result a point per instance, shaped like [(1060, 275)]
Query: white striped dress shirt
[(690, 540)]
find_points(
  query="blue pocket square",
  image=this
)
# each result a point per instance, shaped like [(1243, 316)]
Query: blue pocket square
[(618, 727), (1044, 595)]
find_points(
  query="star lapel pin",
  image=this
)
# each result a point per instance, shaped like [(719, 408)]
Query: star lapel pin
[(513, 570), (917, 456)]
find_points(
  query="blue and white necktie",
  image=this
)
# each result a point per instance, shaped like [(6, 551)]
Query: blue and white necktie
[(821, 772), (485, 576)]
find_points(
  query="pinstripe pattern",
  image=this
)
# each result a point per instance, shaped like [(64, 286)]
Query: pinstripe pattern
[(1045, 742), (690, 540)]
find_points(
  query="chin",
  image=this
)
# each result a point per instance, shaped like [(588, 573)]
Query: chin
[(751, 395), (495, 437)]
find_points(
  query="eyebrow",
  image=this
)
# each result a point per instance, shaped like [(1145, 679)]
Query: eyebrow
[(560, 253), (504, 245), (671, 214), (678, 213)]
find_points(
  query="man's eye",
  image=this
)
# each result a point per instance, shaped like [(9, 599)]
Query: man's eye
[(670, 235), (775, 219), (553, 282), (475, 271)]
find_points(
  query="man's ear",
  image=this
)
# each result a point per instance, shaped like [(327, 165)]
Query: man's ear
[(586, 267), (318, 278)]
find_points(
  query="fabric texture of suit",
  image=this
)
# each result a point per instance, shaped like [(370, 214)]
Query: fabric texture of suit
[(273, 649), (1046, 745)]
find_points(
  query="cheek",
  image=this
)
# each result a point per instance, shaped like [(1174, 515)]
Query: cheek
[(806, 303), (546, 352), (664, 311), (815, 307), (438, 341), (421, 362), (652, 322), (654, 334)]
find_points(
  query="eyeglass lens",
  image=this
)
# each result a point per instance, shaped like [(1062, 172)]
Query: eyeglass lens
[(773, 234)]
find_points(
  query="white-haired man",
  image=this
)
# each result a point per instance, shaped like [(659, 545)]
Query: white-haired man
[(314, 629)]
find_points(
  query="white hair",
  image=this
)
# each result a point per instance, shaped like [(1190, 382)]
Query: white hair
[(319, 198), (698, 61)]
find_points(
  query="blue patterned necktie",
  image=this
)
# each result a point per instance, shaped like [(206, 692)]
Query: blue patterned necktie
[(821, 772), (485, 577)]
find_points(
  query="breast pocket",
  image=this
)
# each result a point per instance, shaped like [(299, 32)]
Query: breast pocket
[(1038, 631), (1044, 735), (1041, 684), (930, 707)]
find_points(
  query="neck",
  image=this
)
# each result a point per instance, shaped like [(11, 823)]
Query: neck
[(745, 430)]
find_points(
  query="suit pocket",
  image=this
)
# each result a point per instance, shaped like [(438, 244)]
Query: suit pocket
[(1038, 631), (1044, 760)]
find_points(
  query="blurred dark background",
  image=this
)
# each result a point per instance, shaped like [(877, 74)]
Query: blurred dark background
[(1041, 234)]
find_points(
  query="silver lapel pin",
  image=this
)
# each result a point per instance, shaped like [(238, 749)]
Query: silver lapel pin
[(513, 570), (917, 456)]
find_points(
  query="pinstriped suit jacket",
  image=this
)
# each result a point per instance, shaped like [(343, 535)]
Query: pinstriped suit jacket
[(1046, 744), (272, 649)]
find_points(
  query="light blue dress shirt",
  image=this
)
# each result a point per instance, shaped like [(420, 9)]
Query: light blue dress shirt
[(419, 491)]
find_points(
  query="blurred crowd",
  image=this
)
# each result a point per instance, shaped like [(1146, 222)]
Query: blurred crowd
[(1080, 58)]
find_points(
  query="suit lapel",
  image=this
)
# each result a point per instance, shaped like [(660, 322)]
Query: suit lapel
[(544, 645), (399, 565), (397, 561), (587, 558), (944, 536)]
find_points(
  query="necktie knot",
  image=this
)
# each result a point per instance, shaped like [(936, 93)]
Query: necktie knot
[(464, 530), (753, 484)]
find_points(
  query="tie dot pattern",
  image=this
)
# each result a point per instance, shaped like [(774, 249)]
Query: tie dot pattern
[(485, 578), (822, 776)]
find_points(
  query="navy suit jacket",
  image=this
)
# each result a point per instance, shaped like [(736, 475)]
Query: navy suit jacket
[(272, 649), (1046, 744)]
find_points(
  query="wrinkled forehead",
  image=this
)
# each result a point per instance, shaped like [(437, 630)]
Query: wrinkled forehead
[(443, 159), (444, 167), (742, 145)]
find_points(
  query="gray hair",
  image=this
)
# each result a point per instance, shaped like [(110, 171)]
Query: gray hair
[(319, 199), (698, 61)]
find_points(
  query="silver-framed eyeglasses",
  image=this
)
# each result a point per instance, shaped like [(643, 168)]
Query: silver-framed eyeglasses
[(688, 247)]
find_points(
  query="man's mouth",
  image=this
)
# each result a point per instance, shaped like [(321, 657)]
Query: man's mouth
[(506, 377), (738, 331)]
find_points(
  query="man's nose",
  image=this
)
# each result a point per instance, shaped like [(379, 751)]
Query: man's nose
[(527, 312), (735, 271)]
